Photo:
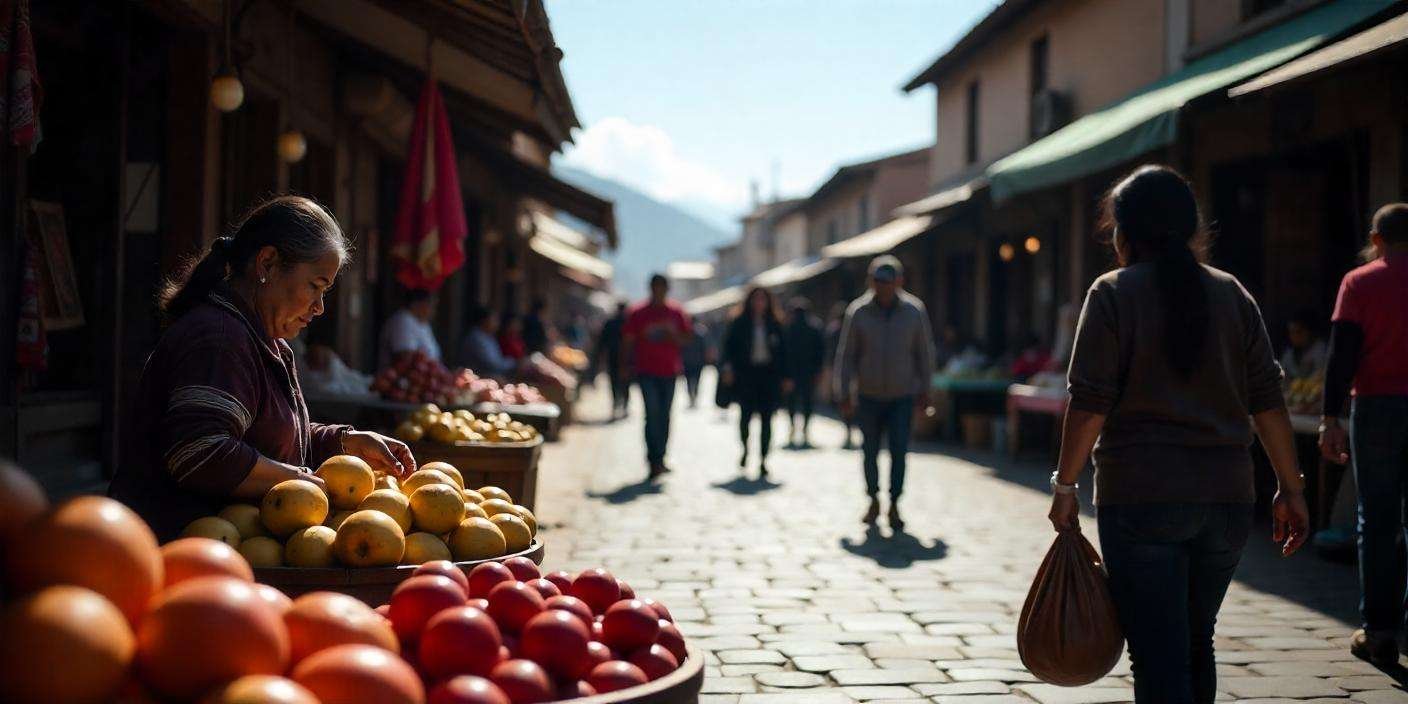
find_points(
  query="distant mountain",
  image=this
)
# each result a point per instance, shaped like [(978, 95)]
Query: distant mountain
[(652, 233)]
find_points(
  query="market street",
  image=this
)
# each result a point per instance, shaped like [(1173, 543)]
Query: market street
[(795, 602)]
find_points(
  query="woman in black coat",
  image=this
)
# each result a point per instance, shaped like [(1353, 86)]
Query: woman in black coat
[(754, 351)]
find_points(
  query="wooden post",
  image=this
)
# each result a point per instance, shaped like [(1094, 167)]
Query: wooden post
[(111, 325)]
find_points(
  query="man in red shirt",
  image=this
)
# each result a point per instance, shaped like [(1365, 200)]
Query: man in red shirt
[(651, 339), (1369, 352)]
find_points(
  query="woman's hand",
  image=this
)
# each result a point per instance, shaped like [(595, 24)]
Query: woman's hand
[(1065, 512), (1290, 521), (384, 454), (1334, 441)]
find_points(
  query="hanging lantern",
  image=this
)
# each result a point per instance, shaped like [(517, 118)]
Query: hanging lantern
[(292, 146), (1006, 252), (1032, 245), (226, 91)]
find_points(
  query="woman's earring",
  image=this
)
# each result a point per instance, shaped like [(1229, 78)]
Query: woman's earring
[(263, 280)]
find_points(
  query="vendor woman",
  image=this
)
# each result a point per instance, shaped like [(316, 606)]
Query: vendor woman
[(219, 416)]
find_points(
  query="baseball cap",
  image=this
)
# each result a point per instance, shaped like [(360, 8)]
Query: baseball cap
[(886, 269)]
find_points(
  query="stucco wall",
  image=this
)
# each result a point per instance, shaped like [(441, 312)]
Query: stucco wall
[(790, 237), (1082, 38)]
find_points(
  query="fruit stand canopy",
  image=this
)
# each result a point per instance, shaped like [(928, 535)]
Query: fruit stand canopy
[(554, 241), (1148, 120)]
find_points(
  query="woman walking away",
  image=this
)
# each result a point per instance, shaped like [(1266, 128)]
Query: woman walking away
[(753, 356), (1171, 357)]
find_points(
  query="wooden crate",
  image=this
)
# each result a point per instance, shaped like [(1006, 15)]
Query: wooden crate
[(511, 466), (679, 687), (372, 585)]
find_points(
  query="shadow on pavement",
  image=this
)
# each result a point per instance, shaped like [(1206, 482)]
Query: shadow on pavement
[(743, 486), (898, 550), (629, 492)]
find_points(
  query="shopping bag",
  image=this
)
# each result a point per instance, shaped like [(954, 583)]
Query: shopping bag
[(1068, 633)]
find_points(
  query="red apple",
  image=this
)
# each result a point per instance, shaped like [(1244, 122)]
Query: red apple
[(467, 689), (557, 640), (672, 640), (483, 578), (417, 599), (444, 568), (459, 641), (513, 604), (614, 676), (572, 689), (598, 653), (524, 681), (630, 624), (480, 603), (660, 609), (574, 606), (626, 591), (384, 610), (561, 579), (523, 569), (544, 588), (655, 661), (596, 587)]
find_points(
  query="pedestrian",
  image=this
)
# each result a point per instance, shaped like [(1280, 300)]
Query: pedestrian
[(1369, 358), (833, 341), (754, 354), (805, 355), (654, 332), (408, 329), (608, 355), (1171, 357), (695, 356), (884, 365)]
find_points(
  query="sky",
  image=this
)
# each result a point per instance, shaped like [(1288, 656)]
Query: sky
[(691, 100)]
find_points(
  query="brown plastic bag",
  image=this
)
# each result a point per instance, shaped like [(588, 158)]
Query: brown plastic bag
[(1068, 634)]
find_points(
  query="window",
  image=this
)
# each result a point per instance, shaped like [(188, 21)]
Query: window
[(1038, 65), (971, 135), (863, 217)]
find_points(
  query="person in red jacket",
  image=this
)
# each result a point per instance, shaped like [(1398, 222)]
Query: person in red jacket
[(1369, 358)]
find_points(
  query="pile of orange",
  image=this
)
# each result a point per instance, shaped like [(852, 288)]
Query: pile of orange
[(95, 611)]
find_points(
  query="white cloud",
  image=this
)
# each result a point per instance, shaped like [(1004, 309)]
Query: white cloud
[(645, 158)]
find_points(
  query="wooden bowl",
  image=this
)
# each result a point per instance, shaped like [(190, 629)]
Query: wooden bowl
[(679, 687), (372, 585)]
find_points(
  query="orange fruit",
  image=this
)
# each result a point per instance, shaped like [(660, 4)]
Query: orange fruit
[(207, 631), (349, 479), (189, 558), (93, 542), (64, 644), (321, 620), (354, 674), (261, 689), (22, 498)]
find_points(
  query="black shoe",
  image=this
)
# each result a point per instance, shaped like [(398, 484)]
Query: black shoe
[(743, 461), (1381, 650), (762, 472), (872, 513), (656, 471), (896, 523)]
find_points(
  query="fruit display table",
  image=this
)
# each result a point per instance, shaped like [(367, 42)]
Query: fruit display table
[(1041, 400), (956, 396), (679, 687), (545, 417), (372, 585), (510, 465)]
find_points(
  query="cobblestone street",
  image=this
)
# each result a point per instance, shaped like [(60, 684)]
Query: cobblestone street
[(794, 601)]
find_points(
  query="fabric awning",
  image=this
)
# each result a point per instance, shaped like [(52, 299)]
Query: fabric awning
[(944, 199), (549, 242), (795, 271), (879, 240), (1147, 119), (710, 302), (1370, 41)]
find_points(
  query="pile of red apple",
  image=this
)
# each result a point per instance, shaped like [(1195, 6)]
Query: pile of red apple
[(489, 391), (416, 378), (506, 634)]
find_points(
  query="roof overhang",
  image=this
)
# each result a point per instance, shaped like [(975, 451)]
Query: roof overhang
[(880, 239), (1389, 35)]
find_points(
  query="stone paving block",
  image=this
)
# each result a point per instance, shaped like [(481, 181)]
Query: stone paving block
[(788, 679), (746, 670), (1390, 696), (726, 642), (958, 629), (828, 663), (806, 697), (1051, 694), (728, 685), (880, 676), (1301, 643), (877, 692), (751, 657), (904, 663), (1294, 687), (909, 650), (1362, 683), (1303, 669), (981, 699), (957, 688), (979, 673), (796, 648)]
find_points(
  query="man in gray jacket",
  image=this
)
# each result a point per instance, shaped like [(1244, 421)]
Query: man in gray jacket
[(884, 364)]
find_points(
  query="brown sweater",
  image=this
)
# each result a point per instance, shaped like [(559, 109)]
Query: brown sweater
[(1168, 438), (216, 393)]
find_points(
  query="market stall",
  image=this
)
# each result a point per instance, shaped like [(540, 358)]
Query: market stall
[(968, 405)]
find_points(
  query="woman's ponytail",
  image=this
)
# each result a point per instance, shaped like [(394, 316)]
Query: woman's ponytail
[(196, 279), (1184, 301)]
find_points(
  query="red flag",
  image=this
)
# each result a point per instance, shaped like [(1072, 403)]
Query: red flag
[(429, 242)]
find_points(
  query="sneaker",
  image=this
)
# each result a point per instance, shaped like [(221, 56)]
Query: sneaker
[(656, 470), (762, 472), (873, 512), (743, 461), (1381, 650), (896, 523)]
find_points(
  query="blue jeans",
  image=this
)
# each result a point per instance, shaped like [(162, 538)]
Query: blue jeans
[(658, 393), (1169, 567), (890, 418), (1379, 447)]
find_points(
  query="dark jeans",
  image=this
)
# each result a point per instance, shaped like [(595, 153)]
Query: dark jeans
[(620, 394), (1169, 566), (658, 393), (890, 418), (1379, 447), (764, 412), (799, 402), (691, 384)]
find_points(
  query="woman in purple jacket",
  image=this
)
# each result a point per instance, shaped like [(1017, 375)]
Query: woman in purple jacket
[(219, 415)]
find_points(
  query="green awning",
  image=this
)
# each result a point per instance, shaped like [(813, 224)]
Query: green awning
[(1148, 120)]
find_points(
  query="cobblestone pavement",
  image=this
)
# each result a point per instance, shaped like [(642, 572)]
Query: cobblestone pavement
[(794, 601)]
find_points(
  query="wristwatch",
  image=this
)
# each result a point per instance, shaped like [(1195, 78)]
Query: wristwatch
[(1059, 488)]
